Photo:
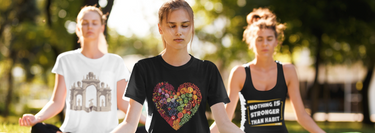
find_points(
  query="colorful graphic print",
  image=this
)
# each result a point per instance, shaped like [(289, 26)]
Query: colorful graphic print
[(177, 107)]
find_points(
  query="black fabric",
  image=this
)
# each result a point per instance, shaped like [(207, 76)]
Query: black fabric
[(189, 88), (263, 111), (141, 130), (44, 128)]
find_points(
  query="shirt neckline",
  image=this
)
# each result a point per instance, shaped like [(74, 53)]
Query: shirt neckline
[(169, 66), (79, 52)]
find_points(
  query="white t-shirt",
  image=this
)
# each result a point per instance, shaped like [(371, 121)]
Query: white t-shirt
[(91, 84)]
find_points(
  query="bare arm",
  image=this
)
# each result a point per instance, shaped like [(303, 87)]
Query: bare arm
[(294, 93), (53, 107), (130, 123), (236, 81), (123, 104), (223, 123)]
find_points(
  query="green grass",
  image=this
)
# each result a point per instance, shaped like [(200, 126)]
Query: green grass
[(10, 125), (333, 127), (13, 128)]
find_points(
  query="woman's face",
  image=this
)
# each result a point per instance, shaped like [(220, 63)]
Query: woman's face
[(177, 30), (90, 26), (264, 42)]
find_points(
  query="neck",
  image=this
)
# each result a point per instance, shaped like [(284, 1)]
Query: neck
[(263, 63), (91, 49), (176, 57)]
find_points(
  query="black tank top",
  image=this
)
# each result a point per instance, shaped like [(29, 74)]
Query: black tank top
[(263, 111)]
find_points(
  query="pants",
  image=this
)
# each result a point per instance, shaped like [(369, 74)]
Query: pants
[(44, 128), (49, 128)]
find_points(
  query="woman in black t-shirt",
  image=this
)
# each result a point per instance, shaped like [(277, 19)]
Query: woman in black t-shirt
[(262, 84), (175, 85)]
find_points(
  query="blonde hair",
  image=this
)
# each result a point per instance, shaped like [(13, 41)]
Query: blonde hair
[(262, 18), (172, 5), (103, 17), (103, 46)]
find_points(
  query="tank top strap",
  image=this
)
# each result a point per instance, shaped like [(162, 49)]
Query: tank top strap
[(248, 80), (280, 74)]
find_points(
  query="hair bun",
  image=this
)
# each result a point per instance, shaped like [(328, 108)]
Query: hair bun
[(260, 13)]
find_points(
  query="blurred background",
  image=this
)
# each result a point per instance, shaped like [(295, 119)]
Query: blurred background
[(331, 43)]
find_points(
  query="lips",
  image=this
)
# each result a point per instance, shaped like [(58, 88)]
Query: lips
[(178, 40)]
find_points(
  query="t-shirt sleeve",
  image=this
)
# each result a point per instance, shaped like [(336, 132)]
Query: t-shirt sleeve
[(216, 91), (58, 68), (136, 85), (122, 71)]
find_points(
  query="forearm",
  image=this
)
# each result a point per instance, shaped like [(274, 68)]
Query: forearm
[(228, 127), (123, 105), (308, 123), (142, 119), (125, 127), (51, 109), (130, 123), (213, 128), (222, 121)]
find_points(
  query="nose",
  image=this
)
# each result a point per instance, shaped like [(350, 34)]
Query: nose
[(89, 25), (266, 43), (178, 31)]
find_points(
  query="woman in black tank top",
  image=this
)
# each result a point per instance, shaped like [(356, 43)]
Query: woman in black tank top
[(262, 84)]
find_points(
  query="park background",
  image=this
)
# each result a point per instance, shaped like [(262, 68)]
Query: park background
[(331, 43)]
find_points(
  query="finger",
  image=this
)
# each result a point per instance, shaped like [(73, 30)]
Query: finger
[(23, 121), (28, 122), (19, 122)]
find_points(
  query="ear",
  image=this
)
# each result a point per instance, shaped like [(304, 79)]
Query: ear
[(160, 30), (78, 31), (102, 28), (277, 43)]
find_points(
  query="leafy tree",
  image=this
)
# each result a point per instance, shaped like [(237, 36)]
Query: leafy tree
[(336, 32)]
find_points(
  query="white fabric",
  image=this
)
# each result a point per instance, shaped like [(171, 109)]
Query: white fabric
[(91, 84)]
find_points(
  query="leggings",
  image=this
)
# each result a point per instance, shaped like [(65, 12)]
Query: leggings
[(44, 128)]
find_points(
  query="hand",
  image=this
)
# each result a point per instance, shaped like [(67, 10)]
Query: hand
[(28, 120)]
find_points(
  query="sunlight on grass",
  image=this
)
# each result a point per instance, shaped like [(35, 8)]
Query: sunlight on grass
[(10, 124), (13, 128)]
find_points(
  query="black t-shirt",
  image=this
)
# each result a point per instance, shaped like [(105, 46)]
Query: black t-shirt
[(176, 96)]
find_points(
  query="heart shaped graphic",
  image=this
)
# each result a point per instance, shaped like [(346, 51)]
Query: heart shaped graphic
[(177, 107)]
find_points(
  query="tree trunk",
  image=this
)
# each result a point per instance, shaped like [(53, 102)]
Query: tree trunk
[(365, 92), (48, 12), (9, 95), (326, 93), (107, 10), (315, 88)]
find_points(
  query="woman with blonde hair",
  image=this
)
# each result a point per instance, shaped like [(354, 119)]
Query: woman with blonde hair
[(89, 80)]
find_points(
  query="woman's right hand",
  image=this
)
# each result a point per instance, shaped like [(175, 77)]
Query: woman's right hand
[(28, 120)]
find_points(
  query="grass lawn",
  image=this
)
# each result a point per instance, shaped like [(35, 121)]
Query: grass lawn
[(333, 127), (10, 125)]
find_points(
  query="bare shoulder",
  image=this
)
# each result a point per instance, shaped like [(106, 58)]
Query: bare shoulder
[(238, 71), (288, 68), (237, 78), (290, 73)]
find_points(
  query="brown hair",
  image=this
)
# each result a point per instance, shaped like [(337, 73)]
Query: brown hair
[(262, 18), (172, 5)]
